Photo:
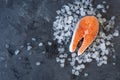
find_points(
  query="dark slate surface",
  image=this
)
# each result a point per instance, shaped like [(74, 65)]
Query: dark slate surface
[(20, 20)]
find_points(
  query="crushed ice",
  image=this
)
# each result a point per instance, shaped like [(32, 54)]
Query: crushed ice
[(64, 26)]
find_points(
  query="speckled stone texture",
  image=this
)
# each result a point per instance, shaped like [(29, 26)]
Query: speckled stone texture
[(21, 20)]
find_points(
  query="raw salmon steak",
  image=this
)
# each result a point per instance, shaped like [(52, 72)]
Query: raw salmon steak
[(86, 28)]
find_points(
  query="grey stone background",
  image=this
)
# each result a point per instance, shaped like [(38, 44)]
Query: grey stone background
[(20, 20)]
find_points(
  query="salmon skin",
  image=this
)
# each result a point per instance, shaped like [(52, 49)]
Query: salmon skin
[(86, 28)]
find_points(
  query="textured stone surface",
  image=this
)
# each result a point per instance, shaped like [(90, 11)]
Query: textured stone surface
[(22, 20)]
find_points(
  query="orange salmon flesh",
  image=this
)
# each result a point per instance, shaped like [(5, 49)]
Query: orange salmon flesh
[(86, 28)]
